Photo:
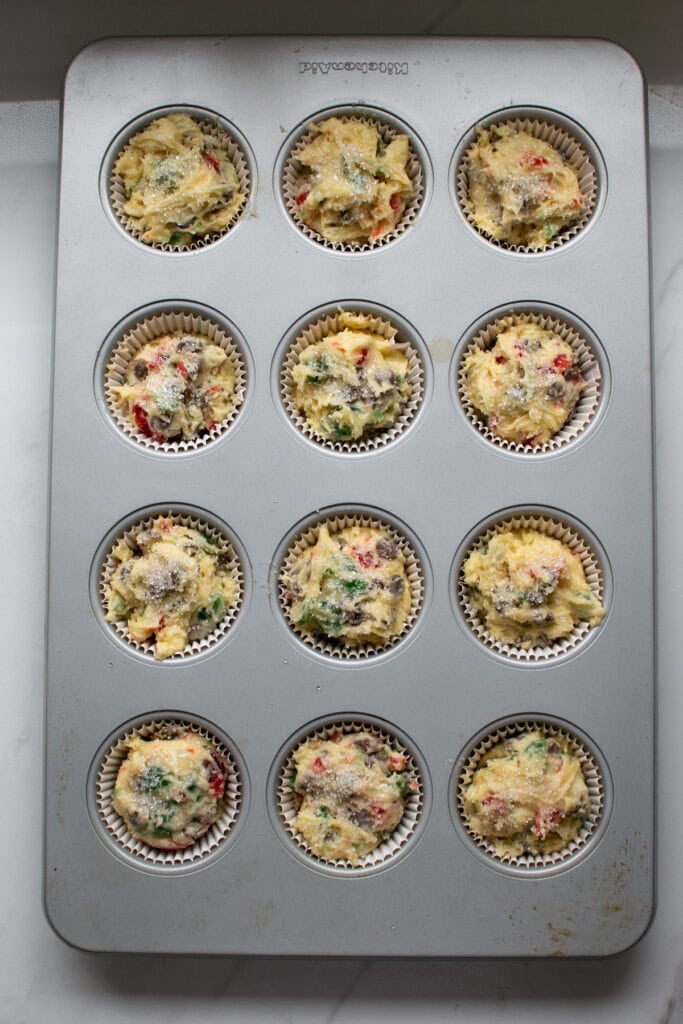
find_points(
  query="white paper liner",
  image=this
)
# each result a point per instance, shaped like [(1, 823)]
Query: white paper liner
[(236, 571), (591, 568), (288, 807), (315, 332), (118, 197), (116, 826), (584, 357), (540, 128), (414, 574), (151, 329), (592, 777), (294, 179)]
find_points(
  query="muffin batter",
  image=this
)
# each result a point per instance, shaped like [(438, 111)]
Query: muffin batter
[(528, 796), (353, 188), (173, 583), (529, 588), (180, 182), (352, 791), (177, 386), (169, 789), (351, 383), (350, 586), (526, 386), (521, 189)]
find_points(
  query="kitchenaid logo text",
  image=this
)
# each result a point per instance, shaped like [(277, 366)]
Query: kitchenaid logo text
[(364, 66)]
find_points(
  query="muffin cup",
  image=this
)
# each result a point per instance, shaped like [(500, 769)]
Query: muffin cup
[(294, 179), (195, 647), (584, 357), (117, 193), (566, 534), (115, 825), (567, 145), (288, 807), (316, 332), (589, 768), (414, 573), (151, 329)]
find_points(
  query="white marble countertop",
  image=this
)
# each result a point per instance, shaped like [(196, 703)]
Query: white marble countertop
[(40, 977)]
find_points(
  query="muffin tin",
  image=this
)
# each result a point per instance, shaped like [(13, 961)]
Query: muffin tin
[(440, 691)]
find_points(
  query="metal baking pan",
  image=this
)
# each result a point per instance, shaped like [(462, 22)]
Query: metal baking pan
[(440, 483)]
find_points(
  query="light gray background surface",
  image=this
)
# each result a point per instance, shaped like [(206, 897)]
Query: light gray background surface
[(42, 979)]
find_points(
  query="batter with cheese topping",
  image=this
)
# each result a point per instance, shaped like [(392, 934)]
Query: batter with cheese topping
[(351, 383), (530, 589), (169, 790), (352, 188), (526, 386), (522, 191), (171, 582), (179, 181), (352, 791), (177, 386), (351, 586), (528, 796)]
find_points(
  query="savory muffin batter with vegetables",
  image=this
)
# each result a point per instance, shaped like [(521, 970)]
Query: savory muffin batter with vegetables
[(351, 383), (179, 181), (528, 796), (353, 188), (177, 386), (526, 386), (171, 582), (350, 586), (521, 189), (529, 588), (352, 791), (169, 789)]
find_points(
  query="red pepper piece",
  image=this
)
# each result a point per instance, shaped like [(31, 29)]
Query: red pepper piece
[(182, 369), (497, 806), (501, 359), (140, 417), (303, 196), (395, 202), (319, 766), (377, 810), (212, 162), (216, 784), (562, 362), (396, 762), (362, 356), (366, 558)]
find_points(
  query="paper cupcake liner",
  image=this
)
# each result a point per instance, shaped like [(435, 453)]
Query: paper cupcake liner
[(591, 773), (414, 574), (288, 807), (315, 332), (236, 571), (294, 179), (117, 192), (584, 357), (577, 544), (116, 826), (149, 330), (572, 151)]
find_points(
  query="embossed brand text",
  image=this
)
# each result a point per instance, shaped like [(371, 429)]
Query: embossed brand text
[(364, 66)]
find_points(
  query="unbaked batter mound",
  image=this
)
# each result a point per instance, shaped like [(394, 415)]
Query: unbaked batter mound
[(528, 796)]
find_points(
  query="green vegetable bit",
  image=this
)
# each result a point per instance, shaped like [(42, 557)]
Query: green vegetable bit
[(537, 748), (322, 812), (177, 238), (322, 615), (152, 778)]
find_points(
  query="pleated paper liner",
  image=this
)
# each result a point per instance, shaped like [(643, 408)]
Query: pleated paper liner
[(414, 573), (194, 647), (151, 329), (567, 535), (316, 332), (540, 127), (584, 357), (116, 826), (294, 179), (592, 777), (209, 124), (288, 806)]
